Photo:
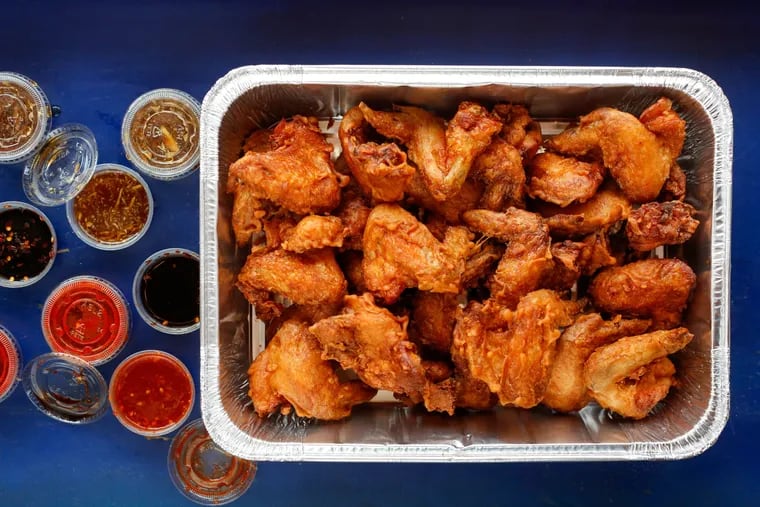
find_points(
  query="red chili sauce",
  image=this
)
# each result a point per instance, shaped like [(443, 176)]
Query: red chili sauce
[(152, 392)]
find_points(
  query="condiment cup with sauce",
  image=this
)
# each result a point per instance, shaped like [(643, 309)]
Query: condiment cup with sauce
[(10, 363), (25, 117), (151, 393), (113, 210), (28, 244), (66, 388), (88, 317), (166, 291), (160, 133)]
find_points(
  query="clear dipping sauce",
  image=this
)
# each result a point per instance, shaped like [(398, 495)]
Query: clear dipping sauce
[(151, 393)]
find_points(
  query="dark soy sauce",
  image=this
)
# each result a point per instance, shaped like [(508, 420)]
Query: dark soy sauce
[(170, 291)]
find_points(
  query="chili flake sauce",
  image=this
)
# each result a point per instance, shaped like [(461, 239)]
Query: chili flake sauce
[(113, 207), (152, 392), (27, 244)]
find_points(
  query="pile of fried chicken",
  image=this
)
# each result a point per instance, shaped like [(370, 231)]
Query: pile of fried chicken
[(465, 263)]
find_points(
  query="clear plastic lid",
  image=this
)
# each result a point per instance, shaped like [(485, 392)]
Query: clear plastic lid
[(10, 363), (28, 246), (113, 210), (203, 471), (161, 133), (65, 388), (62, 167), (25, 117), (88, 317)]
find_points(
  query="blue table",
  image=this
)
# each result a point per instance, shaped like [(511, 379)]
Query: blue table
[(93, 59)]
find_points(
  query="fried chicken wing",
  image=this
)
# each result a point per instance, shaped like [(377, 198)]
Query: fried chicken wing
[(374, 343), (656, 288), (451, 209), (481, 263), (631, 375), (655, 224), (639, 159), (500, 168), (314, 232), (248, 213), (309, 278), (433, 317), (519, 130), (380, 169), (563, 180), (528, 254), (605, 208), (400, 252), (513, 351), (443, 155), (566, 390), (353, 213), (296, 174), (291, 372), (675, 186)]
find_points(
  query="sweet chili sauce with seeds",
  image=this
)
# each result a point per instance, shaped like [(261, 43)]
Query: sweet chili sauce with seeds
[(26, 244), (112, 207), (170, 290), (152, 391)]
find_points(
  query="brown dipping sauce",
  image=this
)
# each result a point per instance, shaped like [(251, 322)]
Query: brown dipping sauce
[(18, 116), (112, 207), (164, 133)]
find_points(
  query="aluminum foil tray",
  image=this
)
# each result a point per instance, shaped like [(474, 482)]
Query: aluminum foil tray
[(685, 424)]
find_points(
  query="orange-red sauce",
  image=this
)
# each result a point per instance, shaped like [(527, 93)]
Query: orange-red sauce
[(152, 392)]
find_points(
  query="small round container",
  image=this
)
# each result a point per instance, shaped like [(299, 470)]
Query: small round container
[(113, 210), (161, 134), (10, 363), (28, 244), (166, 291), (65, 388), (88, 317), (152, 393), (203, 471), (62, 167), (25, 117)]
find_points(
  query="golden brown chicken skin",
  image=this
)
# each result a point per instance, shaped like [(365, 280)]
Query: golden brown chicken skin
[(563, 180), (296, 174), (519, 130), (452, 208), (652, 288), (638, 159), (400, 253), (380, 169), (313, 232), (309, 278), (566, 390), (500, 168), (433, 317), (290, 372), (513, 351), (604, 209), (632, 375), (655, 224), (528, 255), (442, 154)]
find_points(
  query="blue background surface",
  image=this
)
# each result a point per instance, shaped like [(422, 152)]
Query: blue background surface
[(94, 58)]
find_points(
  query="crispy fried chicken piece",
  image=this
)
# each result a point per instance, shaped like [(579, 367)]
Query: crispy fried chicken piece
[(351, 263), (575, 258), (631, 375), (481, 262), (513, 351), (655, 224), (296, 174), (259, 141), (314, 232), (675, 186), (500, 168), (527, 256), (291, 372), (566, 390), (451, 209), (639, 159), (309, 278), (432, 319), (563, 180), (248, 213), (275, 228), (353, 213), (373, 342), (443, 156), (400, 252), (519, 130), (380, 169), (605, 208), (656, 288)]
